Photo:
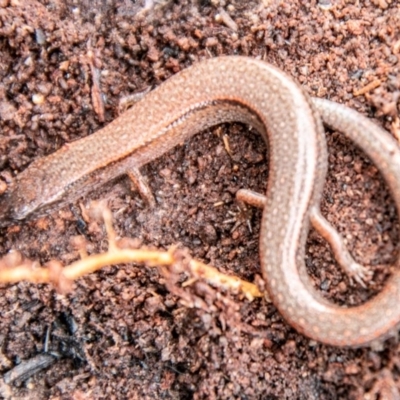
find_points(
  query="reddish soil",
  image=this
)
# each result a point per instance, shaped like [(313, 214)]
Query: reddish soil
[(120, 333)]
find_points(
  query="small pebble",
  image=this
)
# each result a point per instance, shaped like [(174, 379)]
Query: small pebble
[(38, 99), (325, 4)]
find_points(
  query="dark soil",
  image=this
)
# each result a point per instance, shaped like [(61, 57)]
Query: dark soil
[(120, 333)]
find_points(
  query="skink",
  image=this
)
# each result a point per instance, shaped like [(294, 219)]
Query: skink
[(256, 93)]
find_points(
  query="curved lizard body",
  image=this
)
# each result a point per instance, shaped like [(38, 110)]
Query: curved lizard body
[(250, 91)]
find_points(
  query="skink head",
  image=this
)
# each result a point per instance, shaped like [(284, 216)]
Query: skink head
[(23, 199), (8, 206), (13, 208)]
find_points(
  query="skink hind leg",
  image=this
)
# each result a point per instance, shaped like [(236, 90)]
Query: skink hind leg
[(255, 199), (352, 269)]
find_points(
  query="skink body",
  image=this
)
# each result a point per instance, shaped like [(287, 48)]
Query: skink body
[(250, 91)]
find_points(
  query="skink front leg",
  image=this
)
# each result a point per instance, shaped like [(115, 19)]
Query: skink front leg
[(139, 182)]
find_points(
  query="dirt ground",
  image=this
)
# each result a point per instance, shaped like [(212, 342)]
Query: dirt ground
[(120, 333)]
